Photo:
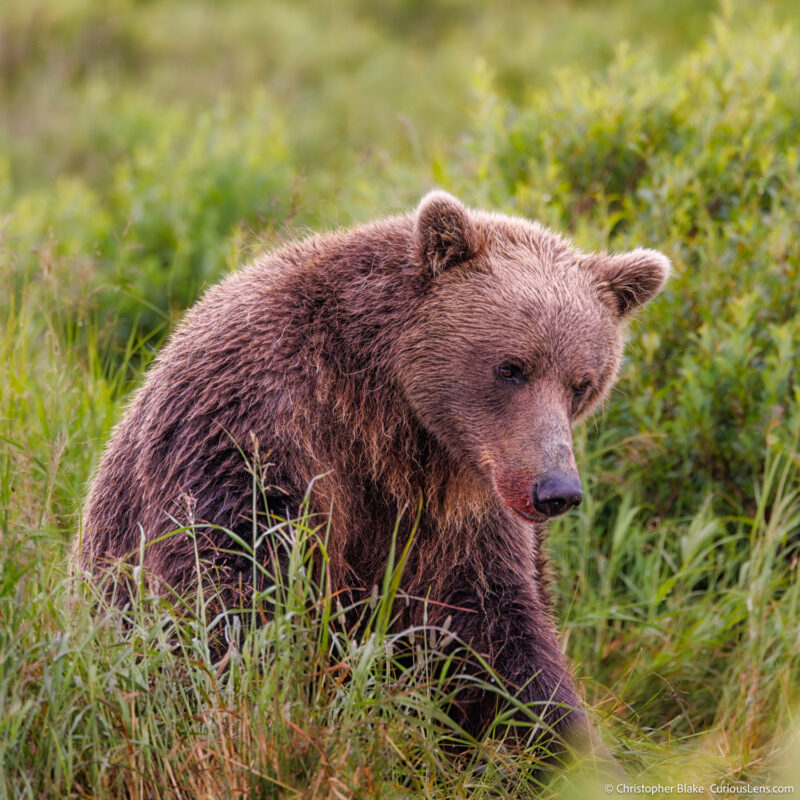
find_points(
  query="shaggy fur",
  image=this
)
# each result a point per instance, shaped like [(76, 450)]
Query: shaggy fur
[(378, 358)]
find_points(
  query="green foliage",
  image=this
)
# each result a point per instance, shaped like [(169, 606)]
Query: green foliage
[(164, 225), (712, 601), (149, 147)]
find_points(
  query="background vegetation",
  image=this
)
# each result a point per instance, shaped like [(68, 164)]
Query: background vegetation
[(147, 147)]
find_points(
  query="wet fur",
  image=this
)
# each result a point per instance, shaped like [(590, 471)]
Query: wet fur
[(344, 356)]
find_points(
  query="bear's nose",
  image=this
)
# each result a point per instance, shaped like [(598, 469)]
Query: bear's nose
[(555, 494)]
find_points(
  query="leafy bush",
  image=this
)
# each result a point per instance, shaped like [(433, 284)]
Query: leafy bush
[(162, 229)]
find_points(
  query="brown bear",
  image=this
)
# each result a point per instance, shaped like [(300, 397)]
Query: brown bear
[(433, 361)]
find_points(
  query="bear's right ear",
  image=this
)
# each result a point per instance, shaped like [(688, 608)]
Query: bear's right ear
[(443, 234)]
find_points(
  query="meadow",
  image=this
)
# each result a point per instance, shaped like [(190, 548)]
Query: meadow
[(147, 147)]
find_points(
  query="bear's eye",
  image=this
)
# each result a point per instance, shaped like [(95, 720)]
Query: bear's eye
[(580, 390), (510, 373)]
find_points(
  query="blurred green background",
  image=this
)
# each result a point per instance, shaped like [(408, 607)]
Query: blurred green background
[(147, 147)]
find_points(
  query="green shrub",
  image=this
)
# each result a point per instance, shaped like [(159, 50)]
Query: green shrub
[(166, 225)]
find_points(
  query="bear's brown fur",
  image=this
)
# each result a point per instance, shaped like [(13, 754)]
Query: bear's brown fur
[(443, 356)]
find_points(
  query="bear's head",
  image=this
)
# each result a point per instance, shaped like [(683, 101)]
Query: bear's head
[(518, 336)]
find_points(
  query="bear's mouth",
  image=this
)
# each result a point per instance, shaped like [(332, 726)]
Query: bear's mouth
[(534, 517), (514, 493), (513, 489)]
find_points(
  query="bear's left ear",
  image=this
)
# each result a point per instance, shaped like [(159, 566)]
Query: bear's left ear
[(628, 280), (443, 233)]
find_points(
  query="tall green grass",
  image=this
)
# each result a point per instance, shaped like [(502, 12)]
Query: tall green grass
[(314, 700)]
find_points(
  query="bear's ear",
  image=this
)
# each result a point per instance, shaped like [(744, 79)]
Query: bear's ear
[(443, 233), (628, 280)]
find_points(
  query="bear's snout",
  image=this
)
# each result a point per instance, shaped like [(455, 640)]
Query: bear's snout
[(556, 494), (553, 493)]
